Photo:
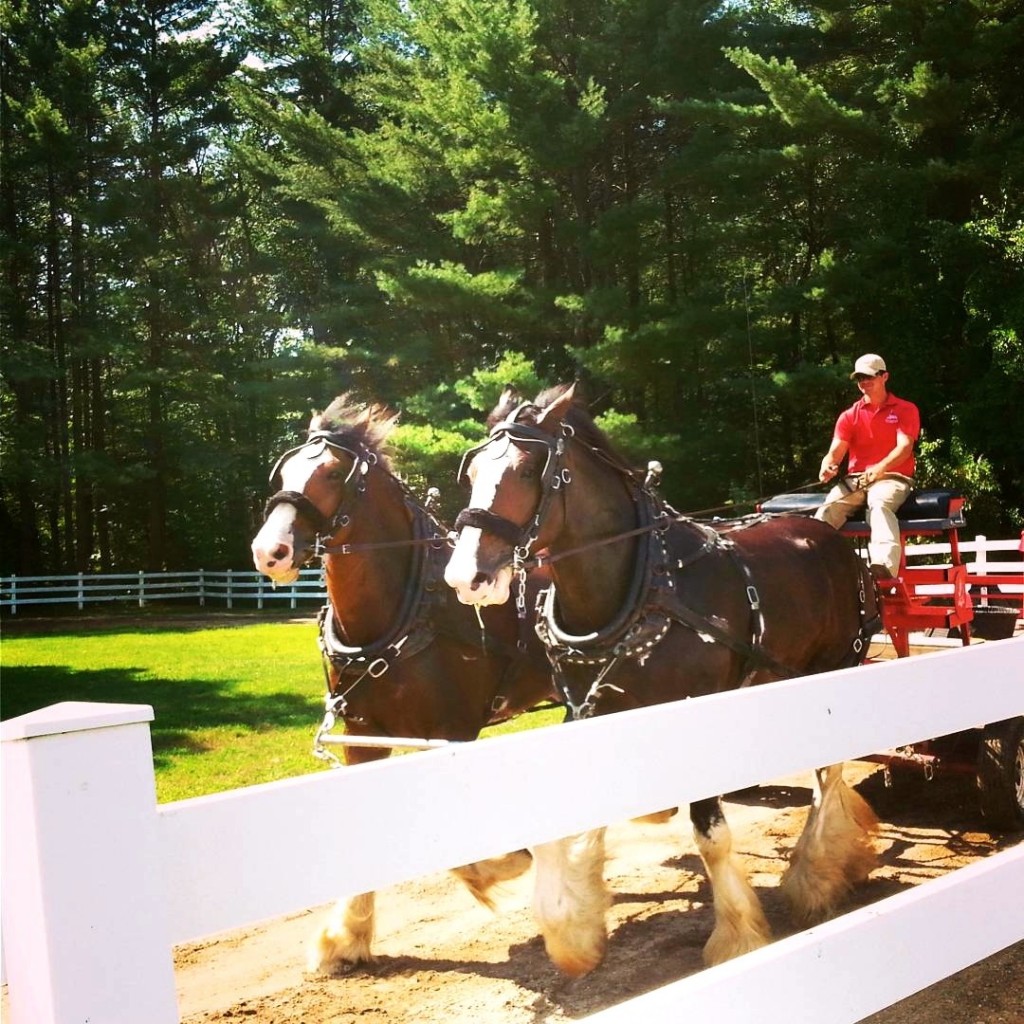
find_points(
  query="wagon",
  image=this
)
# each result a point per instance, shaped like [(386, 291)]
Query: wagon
[(946, 598)]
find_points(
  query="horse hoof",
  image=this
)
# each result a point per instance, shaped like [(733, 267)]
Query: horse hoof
[(658, 817), (577, 961), (729, 943), (481, 877), (333, 953), (345, 938)]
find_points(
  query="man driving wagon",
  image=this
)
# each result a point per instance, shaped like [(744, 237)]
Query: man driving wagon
[(878, 433)]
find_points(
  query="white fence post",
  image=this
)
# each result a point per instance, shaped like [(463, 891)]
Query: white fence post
[(981, 559), (82, 892)]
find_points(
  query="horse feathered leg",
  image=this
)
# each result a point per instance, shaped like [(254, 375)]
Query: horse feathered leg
[(835, 851), (570, 901), (481, 876), (740, 924), (346, 936)]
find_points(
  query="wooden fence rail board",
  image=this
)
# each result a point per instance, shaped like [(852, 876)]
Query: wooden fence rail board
[(842, 971), (202, 585)]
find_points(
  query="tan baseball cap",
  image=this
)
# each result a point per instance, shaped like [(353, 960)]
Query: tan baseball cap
[(868, 365)]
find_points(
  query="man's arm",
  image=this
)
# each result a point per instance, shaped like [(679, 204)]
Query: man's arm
[(830, 464), (904, 446)]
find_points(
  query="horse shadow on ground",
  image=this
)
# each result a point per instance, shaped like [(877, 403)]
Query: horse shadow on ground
[(642, 955)]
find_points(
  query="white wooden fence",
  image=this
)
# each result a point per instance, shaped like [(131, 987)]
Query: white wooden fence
[(232, 586), (1000, 558), (99, 881)]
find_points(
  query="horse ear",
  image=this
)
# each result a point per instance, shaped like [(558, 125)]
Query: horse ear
[(510, 399), (554, 412), (315, 420)]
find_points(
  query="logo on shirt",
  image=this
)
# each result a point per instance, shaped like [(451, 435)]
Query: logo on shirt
[(892, 418)]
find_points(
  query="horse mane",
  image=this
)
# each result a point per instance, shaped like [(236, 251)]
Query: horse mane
[(356, 425)]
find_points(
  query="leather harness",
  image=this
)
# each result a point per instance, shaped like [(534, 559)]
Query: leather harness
[(420, 618), (653, 603)]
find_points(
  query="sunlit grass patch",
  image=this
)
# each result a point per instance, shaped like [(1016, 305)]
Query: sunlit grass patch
[(234, 705)]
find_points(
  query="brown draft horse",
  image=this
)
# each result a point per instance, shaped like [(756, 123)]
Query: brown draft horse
[(403, 657), (646, 607)]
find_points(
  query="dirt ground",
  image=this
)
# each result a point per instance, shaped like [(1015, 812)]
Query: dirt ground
[(444, 958)]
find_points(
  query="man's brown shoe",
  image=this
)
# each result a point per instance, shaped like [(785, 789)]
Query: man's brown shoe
[(880, 573)]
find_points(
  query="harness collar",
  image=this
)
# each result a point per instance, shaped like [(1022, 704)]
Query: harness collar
[(652, 603)]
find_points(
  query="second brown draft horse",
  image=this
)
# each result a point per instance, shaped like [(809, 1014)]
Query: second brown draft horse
[(646, 607), (403, 657)]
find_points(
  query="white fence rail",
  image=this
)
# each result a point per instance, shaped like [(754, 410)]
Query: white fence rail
[(1006, 565), (91, 933), (232, 586)]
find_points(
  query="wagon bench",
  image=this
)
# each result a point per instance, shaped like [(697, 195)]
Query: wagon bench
[(909, 601)]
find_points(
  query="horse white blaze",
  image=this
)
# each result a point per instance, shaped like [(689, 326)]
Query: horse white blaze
[(463, 572), (463, 575), (273, 548)]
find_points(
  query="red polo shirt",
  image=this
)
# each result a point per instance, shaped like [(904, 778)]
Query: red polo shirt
[(870, 431)]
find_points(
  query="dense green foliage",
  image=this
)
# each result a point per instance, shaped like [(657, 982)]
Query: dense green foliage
[(216, 216)]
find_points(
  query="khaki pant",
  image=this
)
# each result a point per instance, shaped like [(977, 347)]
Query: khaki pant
[(883, 499)]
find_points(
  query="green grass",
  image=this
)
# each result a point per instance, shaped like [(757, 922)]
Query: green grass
[(234, 705)]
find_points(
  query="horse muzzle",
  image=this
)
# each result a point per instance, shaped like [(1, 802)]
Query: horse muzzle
[(472, 582), (276, 549)]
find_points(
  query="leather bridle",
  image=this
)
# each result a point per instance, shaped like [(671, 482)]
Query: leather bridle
[(554, 476), (325, 526)]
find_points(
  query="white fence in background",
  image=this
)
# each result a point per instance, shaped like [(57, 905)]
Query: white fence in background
[(100, 882), (1004, 595), (246, 587), (232, 586)]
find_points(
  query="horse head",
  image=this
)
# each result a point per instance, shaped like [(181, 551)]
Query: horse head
[(316, 485), (514, 477)]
